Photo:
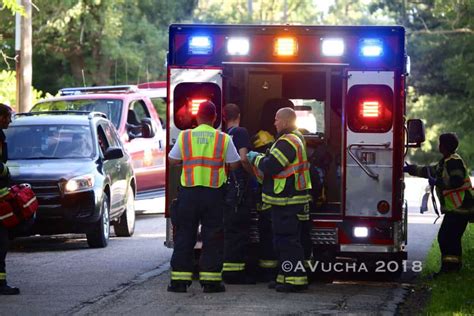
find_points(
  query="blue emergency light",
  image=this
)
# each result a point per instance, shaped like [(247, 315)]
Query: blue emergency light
[(371, 47), (200, 45)]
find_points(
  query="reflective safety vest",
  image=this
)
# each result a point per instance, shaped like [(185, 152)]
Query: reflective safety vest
[(454, 198), (298, 168), (203, 150)]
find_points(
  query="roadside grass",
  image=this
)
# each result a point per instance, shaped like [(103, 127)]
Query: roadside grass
[(451, 294)]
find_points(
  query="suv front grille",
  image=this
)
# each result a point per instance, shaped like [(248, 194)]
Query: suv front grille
[(47, 192)]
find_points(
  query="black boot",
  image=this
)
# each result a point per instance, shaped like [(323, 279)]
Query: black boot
[(213, 287), (5, 289), (177, 287)]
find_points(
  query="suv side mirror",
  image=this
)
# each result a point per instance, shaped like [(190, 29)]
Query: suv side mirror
[(148, 130), (113, 153), (416, 133)]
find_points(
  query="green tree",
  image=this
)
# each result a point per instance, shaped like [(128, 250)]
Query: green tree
[(99, 42)]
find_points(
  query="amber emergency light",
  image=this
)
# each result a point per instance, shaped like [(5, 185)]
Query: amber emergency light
[(285, 46)]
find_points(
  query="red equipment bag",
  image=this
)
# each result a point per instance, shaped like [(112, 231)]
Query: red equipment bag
[(18, 205)]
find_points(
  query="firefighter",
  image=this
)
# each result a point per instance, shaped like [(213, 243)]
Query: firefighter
[(454, 190), (204, 152), (286, 182), (5, 120), (237, 205)]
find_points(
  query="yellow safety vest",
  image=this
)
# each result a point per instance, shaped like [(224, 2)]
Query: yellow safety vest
[(203, 150), (454, 198), (298, 168)]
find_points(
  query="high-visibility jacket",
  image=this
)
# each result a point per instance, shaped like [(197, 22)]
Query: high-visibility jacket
[(203, 150), (278, 192), (452, 199)]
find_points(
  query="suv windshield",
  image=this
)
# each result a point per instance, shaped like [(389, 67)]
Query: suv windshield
[(111, 107), (49, 142)]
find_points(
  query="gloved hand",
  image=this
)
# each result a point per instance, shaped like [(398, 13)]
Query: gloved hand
[(251, 155), (432, 181), (409, 168)]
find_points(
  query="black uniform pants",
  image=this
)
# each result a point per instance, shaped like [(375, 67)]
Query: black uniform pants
[(267, 262), (236, 237), (198, 205), (4, 241), (287, 240), (449, 240)]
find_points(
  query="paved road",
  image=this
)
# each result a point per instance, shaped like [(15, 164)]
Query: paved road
[(58, 275)]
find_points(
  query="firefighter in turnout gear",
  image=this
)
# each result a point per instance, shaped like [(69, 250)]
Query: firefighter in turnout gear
[(454, 190), (286, 182), (5, 120), (204, 153)]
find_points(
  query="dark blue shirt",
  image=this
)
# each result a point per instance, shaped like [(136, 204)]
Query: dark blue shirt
[(240, 138)]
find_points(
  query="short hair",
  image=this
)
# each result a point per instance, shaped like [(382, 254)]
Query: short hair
[(287, 114), (207, 111), (231, 112), (5, 109), (449, 141)]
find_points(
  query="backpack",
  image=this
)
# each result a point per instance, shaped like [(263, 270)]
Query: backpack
[(19, 205)]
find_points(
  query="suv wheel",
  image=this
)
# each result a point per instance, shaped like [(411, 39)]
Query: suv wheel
[(98, 237), (126, 224)]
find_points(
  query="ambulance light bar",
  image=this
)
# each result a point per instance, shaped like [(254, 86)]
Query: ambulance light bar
[(332, 47), (371, 47), (285, 46), (200, 45), (239, 46)]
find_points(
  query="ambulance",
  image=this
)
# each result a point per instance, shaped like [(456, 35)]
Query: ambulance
[(347, 85)]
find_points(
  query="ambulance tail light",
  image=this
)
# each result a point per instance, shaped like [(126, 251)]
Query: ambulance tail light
[(370, 108), (195, 105), (285, 46)]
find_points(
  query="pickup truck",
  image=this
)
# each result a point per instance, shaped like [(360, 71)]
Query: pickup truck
[(131, 111)]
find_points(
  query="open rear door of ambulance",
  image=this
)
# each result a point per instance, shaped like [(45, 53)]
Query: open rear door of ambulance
[(188, 87)]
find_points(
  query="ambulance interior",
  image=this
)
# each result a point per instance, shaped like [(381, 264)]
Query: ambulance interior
[(315, 93)]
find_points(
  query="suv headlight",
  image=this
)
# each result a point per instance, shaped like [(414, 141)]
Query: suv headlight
[(80, 183)]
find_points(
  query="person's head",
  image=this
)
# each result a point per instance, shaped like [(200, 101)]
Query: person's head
[(5, 116), (448, 143), (232, 114), (285, 119), (206, 113)]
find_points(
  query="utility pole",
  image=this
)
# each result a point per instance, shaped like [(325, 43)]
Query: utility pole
[(250, 10), (24, 50)]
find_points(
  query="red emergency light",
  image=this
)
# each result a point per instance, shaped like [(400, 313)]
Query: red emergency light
[(370, 109), (195, 105)]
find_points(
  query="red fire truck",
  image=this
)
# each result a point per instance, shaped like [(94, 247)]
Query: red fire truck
[(348, 86)]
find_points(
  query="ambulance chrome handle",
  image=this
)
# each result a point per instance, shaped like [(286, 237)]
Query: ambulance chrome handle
[(369, 172)]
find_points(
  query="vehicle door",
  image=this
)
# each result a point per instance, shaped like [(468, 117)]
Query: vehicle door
[(114, 169), (148, 154)]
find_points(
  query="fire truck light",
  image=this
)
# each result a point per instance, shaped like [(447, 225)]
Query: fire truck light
[(371, 48), (200, 45), (285, 46), (333, 47), (238, 46), (370, 109), (361, 232), (195, 105)]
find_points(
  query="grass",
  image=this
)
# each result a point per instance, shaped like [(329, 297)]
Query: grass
[(451, 294)]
